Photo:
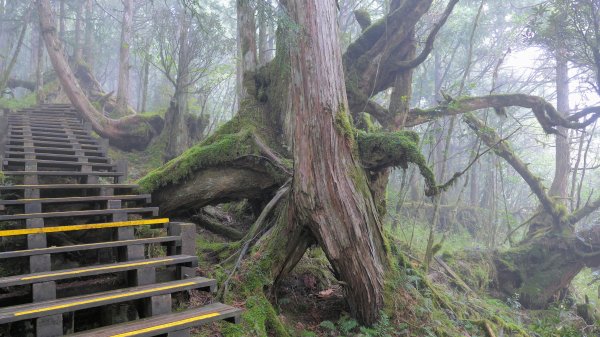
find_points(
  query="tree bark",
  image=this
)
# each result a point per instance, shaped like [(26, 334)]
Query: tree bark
[(246, 35), (127, 133), (330, 193), (175, 118), (39, 69), (78, 45), (88, 49), (562, 150), (123, 85)]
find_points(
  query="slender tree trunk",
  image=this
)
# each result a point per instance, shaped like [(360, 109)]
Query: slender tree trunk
[(145, 77), (88, 49), (330, 190), (246, 34), (123, 85), (61, 20), (563, 158), (176, 128), (39, 69), (13, 60), (78, 45), (263, 37)]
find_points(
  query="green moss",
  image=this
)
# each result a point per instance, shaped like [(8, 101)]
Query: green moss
[(395, 149), (225, 149), (343, 124)]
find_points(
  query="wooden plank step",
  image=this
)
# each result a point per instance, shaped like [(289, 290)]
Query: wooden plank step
[(78, 128), (15, 128), (46, 133), (57, 150), (35, 310), (73, 214), (163, 324), (89, 246), (95, 270), (33, 124), (57, 163), (54, 120), (39, 143), (67, 186), (41, 155), (64, 173), (80, 139), (71, 228), (67, 200)]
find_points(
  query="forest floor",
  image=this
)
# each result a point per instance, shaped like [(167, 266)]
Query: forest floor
[(310, 301)]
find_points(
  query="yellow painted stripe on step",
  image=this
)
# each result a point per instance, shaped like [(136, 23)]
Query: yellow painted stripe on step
[(167, 325), (15, 232), (100, 299), (75, 272)]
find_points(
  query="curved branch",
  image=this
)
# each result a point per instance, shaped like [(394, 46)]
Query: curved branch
[(544, 112), (502, 149), (584, 211), (403, 65), (126, 133)]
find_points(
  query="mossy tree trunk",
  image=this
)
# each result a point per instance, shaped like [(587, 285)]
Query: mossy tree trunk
[(330, 189), (552, 254)]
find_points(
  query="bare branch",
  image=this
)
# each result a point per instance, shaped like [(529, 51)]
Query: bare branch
[(403, 65)]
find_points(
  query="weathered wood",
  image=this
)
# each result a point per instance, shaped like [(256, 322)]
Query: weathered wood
[(167, 323), (95, 270), (34, 310), (330, 190), (89, 246)]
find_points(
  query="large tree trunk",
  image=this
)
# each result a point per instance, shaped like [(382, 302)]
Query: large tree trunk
[(330, 189), (126, 133), (123, 85)]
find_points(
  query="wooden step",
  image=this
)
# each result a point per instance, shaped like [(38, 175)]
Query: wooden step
[(37, 133), (89, 246), (71, 228), (79, 139), (57, 150), (96, 270), (74, 214), (49, 156), (62, 128), (54, 130), (35, 310), (65, 173), (39, 143), (164, 324), (70, 200), (58, 163), (67, 186)]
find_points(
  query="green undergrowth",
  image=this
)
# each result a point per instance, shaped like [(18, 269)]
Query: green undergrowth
[(415, 304), (142, 162)]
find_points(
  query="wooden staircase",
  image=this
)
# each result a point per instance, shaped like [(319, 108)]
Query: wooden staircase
[(78, 245)]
